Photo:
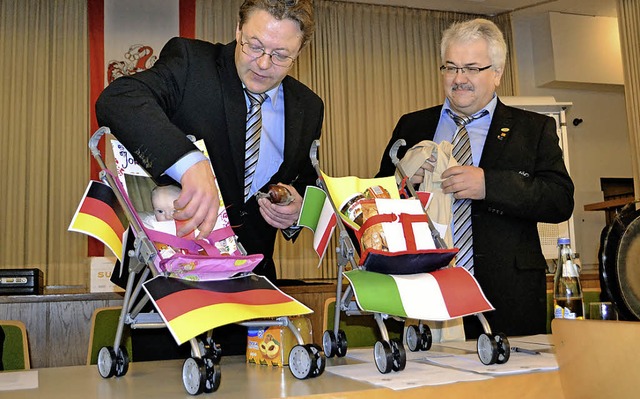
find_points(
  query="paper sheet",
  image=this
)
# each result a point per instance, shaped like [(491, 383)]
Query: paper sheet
[(15, 380), (518, 363), (448, 363), (414, 375)]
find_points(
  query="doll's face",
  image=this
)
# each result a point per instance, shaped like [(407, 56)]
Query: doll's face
[(162, 199)]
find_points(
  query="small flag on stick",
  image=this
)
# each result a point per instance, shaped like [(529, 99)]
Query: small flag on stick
[(317, 215), (100, 215)]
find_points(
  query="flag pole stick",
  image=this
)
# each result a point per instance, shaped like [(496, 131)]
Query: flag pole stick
[(345, 248)]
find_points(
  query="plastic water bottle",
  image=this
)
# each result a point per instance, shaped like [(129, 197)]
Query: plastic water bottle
[(567, 293)]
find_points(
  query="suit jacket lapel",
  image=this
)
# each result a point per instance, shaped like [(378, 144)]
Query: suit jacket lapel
[(235, 108), (498, 135)]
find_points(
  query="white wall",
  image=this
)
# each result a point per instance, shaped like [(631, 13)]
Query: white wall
[(599, 147)]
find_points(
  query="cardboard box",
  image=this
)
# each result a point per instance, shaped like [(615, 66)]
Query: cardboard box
[(100, 275), (270, 346)]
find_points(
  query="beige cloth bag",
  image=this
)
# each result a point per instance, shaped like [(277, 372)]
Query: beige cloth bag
[(439, 211)]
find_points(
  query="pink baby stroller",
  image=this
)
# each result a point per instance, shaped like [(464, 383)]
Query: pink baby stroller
[(191, 271)]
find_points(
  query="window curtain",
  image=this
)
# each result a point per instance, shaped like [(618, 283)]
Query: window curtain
[(369, 63), (629, 26), (43, 136)]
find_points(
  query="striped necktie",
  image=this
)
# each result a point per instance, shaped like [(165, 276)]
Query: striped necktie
[(462, 229), (252, 144)]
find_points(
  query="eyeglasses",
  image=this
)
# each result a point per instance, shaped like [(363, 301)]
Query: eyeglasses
[(256, 52), (453, 70)]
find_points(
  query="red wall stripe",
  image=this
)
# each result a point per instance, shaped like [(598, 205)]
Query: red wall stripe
[(188, 18), (95, 10)]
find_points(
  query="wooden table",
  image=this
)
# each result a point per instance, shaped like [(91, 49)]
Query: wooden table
[(162, 379)]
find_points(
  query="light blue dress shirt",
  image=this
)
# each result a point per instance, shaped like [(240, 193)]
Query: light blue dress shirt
[(477, 129), (271, 143)]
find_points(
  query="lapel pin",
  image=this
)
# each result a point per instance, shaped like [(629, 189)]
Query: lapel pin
[(503, 133)]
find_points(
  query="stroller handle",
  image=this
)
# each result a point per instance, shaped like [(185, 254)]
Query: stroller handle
[(393, 152), (95, 138), (313, 153), (93, 145)]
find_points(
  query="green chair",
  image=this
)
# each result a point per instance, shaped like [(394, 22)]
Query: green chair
[(104, 324), (361, 331), (14, 346)]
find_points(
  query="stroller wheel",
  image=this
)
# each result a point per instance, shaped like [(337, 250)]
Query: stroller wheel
[(107, 362), (413, 338), (318, 358), (214, 375), (487, 349), (383, 356), (504, 349), (300, 362), (194, 375), (341, 343), (399, 355), (426, 339), (329, 344), (122, 362)]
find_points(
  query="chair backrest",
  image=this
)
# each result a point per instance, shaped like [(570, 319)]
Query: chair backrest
[(14, 346), (360, 330), (104, 324)]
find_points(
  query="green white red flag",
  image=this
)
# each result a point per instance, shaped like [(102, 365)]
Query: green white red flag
[(318, 215), (441, 295)]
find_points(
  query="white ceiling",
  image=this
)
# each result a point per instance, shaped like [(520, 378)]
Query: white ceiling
[(606, 8)]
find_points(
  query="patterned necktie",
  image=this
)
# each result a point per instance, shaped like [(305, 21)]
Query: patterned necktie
[(252, 144), (462, 231)]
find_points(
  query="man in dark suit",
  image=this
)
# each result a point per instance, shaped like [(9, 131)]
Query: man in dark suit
[(517, 177), (202, 89)]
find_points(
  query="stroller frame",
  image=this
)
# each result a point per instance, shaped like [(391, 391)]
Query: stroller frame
[(201, 372), (390, 355)]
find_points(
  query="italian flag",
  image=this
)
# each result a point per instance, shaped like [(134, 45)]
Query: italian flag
[(441, 295), (190, 308), (318, 215)]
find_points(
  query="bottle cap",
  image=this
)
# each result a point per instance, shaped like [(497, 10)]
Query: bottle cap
[(564, 240)]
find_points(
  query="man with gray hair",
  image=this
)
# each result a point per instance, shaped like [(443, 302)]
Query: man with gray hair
[(510, 175)]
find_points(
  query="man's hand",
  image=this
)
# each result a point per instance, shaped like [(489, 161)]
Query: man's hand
[(427, 166), (464, 182), (198, 202), (281, 216)]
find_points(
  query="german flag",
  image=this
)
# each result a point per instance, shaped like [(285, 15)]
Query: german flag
[(100, 215), (190, 308)]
